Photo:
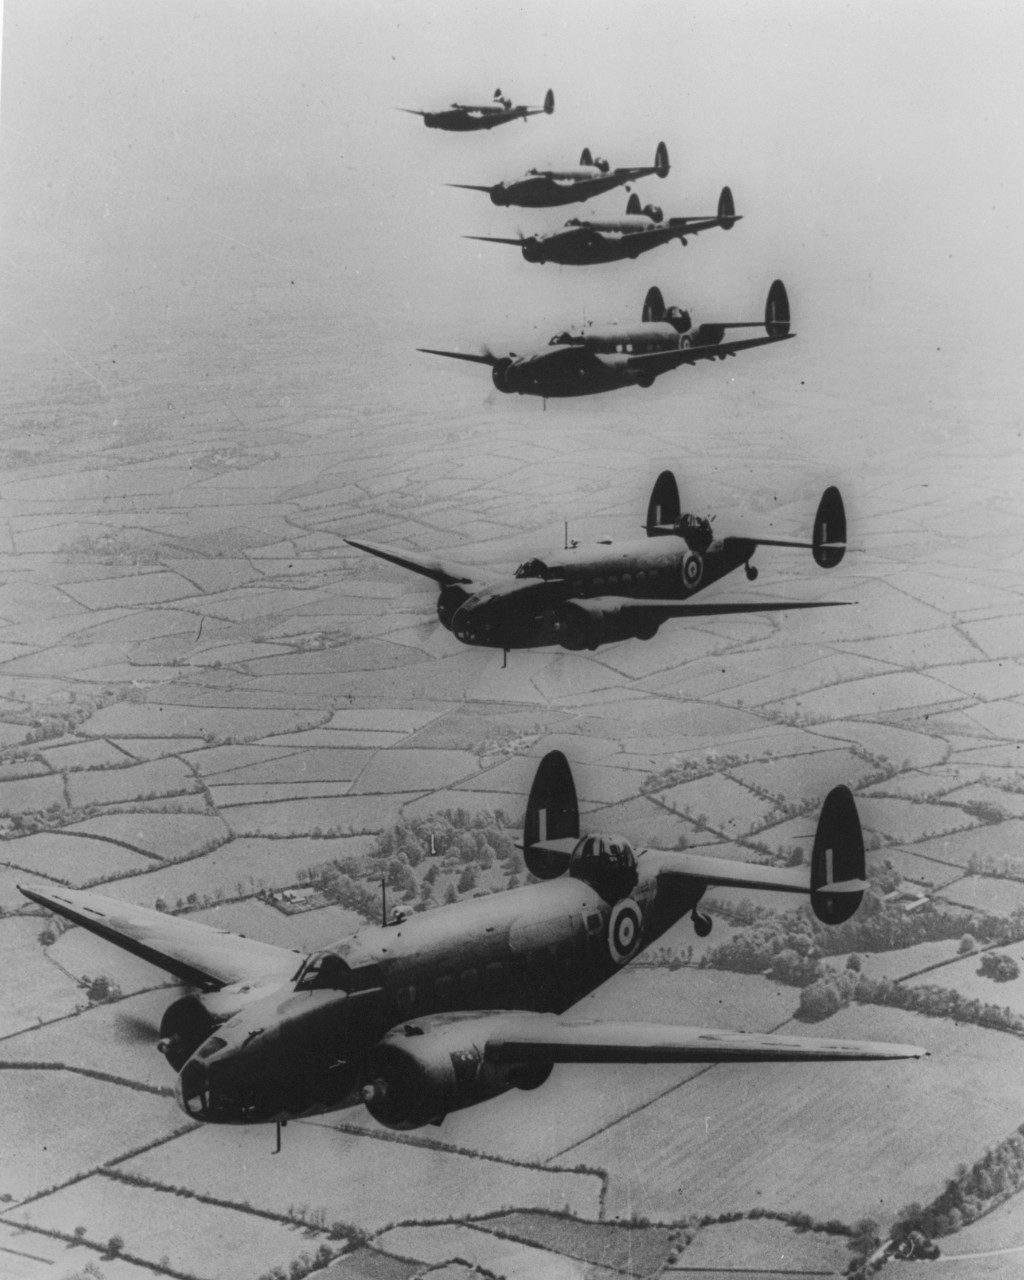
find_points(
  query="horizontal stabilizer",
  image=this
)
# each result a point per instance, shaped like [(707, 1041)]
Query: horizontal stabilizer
[(466, 186)]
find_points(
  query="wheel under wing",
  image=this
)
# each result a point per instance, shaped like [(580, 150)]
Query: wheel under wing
[(198, 954)]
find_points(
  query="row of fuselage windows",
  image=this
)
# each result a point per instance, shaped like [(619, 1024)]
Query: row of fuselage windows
[(585, 584)]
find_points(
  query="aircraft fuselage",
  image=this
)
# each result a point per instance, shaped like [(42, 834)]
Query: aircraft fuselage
[(304, 1049), (548, 606), (471, 119), (568, 186)]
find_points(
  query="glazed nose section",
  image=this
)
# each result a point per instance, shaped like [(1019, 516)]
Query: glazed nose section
[(224, 1083)]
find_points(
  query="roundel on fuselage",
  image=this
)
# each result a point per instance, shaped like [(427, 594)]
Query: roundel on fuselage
[(692, 570), (625, 930)]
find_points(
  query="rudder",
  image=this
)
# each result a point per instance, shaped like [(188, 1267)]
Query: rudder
[(661, 165), (776, 311), (586, 158), (837, 858), (549, 102), (726, 210), (654, 305), (663, 508), (552, 813), (829, 538)]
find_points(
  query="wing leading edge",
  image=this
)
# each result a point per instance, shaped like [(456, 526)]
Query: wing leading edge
[(196, 953), (548, 1038)]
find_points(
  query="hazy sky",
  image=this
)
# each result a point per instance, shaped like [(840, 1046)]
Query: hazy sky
[(178, 150)]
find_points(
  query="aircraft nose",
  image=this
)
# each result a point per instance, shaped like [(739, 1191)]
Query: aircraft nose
[(192, 1090)]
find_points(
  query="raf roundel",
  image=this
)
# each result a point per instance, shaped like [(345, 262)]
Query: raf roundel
[(693, 571), (625, 928)]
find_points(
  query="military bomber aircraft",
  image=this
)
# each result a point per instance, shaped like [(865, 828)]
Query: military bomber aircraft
[(543, 188), (454, 1006), (585, 241), (606, 357), (584, 597), (463, 118)]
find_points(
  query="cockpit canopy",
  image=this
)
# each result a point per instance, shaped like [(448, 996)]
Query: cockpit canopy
[(324, 971), (532, 569), (606, 863), (695, 531)]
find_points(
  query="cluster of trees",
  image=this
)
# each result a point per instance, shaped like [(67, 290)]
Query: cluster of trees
[(878, 926), (995, 868), (999, 967), (971, 1192), (413, 855), (832, 990)]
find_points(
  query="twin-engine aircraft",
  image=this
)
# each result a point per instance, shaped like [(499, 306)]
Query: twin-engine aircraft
[(544, 188), (584, 597), (607, 357), (585, 241), (463, 118), (455, 1006)]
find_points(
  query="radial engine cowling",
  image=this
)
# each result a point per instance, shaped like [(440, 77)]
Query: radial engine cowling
[(585, 625), (425, 1069), (500, 375), (449, 602), (192, 1019)]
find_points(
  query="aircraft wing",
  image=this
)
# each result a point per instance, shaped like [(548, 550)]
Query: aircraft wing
[(196, 953), (541, 1037), (461, 355), (444, 575), (684, 609), (661, 361)]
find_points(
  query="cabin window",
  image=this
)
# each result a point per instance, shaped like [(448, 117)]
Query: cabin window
[(443, 989), (494, 975), (469, 980), (599, 582), (594, 922), (406, 997)]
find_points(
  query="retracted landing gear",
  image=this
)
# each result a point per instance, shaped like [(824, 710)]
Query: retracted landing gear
[(701, 924), (751, 572)]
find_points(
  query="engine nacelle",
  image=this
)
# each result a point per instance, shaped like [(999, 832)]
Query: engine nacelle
[(423, 1070), (449, 602), (194, 1018), (582, 625), (500, 375), (708, 335)]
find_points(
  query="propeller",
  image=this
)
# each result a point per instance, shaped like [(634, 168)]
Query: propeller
[(136, 1029)]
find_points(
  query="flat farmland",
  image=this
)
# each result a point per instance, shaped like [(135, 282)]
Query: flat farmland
[(168, 836), (963, 976), (158, 1224), (368, 1181), (483, 1250), (72, 859), (718, 802), (84, 1135), (36, 988), (995, 840), (798, 1135), (985, 893), (764, 1245)]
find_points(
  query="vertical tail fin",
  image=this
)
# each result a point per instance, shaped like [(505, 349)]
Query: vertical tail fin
[(549, 102), (828, 541), (726, 210), (633, 204), (552, 813), (663, 508), (661, 165), (837, 859), (776, 310), (654, 305), (585, 157)]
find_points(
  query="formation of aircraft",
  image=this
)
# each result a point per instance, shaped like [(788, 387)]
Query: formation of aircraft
[(544, 188), (461, 117), (586, 241), (583, 597), (607, 357), (454, 1006)]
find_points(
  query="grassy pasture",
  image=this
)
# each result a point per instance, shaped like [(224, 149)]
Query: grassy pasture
[(157, 1224), (35, 989), (75, 860), (301, 817), (370, 1182), (28, 795), (94, 753), (911, 821), (507, 1258), (169, 836), (963, 976), (59, 1125), (982, 893), (817, 1137), (767, 1245), (638, 1251), (993, 840), (116, 786), (729, 808)]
